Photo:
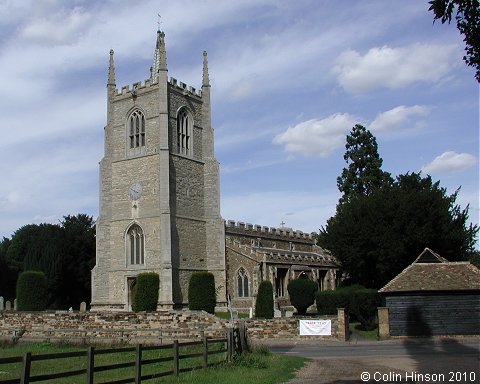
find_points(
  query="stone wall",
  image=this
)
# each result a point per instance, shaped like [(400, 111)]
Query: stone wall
[(93, 327), (286, 328), (153, 327)]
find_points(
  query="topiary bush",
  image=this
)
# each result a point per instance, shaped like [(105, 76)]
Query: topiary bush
[(146, 292), (302, 294), (201, 292), (264, 301), (32, 294)]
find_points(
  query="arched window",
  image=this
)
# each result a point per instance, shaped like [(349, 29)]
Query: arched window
[(135, 245), (184, 132), (136, 132), (242, 283)]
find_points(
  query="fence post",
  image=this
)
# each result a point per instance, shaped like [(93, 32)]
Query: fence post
[(205, 352), (243, 336), (176, 360), (138, 364), (90, 364), (27, 361)]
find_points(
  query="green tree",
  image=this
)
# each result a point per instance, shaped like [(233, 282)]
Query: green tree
[(468, 23), (364, 173), (264, 301), (78, 258), (8, 275), (32, 291), (302, 294), (376, 236), (146, 292), (201, 292)]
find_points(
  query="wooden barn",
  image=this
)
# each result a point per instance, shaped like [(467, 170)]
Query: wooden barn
[(433, 296)]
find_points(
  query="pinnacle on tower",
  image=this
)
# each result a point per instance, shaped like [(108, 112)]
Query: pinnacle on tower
[(205, 80), (160, 57), (111, 70)]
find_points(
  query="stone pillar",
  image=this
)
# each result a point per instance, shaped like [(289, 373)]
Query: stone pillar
[(343, 332), (383, 323)]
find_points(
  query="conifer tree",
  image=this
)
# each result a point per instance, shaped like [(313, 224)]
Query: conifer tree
[(364, 173)]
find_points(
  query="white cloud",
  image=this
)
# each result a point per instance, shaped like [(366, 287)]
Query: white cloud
[(398, 117), (62, 27), (449, 162), (394, 67), (317, 137)]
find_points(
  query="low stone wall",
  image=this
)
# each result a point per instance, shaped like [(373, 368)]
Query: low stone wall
[(153, 327), (288, 328), (95, 327)]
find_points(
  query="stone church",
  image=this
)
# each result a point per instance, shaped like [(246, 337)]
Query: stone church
[(160, 203)]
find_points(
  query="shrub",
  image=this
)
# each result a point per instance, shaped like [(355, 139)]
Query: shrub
[(361, 303), (329, 301), (302, 294), (264, 302), (201, 292), (146, 292), (32, 291)]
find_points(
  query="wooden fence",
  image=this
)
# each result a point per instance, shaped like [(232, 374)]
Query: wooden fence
[(199, 350)]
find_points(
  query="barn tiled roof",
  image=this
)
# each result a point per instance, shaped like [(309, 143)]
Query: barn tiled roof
[(436, 275)]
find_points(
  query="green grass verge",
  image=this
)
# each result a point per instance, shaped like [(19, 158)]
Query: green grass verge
[(258, 366), (226, 315)]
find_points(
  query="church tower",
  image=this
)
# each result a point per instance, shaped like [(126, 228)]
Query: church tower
[(159, 189)]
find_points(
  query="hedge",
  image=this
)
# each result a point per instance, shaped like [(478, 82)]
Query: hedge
[(146, 292), (32, 291), (264, 301), (302, 294), (201, 292), (361, 303)]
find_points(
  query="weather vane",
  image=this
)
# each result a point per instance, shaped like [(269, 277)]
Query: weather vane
[(159, 21)]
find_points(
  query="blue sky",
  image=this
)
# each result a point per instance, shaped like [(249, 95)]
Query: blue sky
[(289, 80)]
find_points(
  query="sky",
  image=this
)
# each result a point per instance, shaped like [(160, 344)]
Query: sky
[(289, 81)]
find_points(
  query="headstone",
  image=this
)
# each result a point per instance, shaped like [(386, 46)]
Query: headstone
[(250, 315), (15, 304), (2, 303), (8, 306), (277, 313), (83, 306), (288, 313)]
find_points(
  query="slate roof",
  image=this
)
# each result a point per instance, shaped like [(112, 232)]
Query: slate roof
[(438, 275)]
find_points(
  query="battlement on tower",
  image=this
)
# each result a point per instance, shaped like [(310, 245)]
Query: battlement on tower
[(141, 85), (259, 230)]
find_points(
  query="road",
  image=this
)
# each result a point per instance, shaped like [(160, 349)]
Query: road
[(443, 360)]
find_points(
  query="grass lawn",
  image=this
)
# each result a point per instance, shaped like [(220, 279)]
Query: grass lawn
[(258, 366), (369, 335)]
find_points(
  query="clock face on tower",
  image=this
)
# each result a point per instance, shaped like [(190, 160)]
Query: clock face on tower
[(135, 190)]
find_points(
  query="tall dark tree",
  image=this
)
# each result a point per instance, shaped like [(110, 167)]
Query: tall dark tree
[(78, 258), (8, 276), (378, 235), (364, 172), (468, 23), (65, 253)]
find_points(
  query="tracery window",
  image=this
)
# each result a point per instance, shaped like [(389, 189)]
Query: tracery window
[(136, 130), (135, 245), (184, 132), (242, 283)]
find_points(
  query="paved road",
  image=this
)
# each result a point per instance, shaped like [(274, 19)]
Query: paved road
[(437, 347), (444, 360)]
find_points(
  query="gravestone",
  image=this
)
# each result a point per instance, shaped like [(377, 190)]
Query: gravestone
[(277, 313), (83, 306), (2, 303), (15, 304), (8, 306)]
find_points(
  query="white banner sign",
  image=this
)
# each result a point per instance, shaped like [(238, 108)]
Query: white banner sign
[(315, 327)]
